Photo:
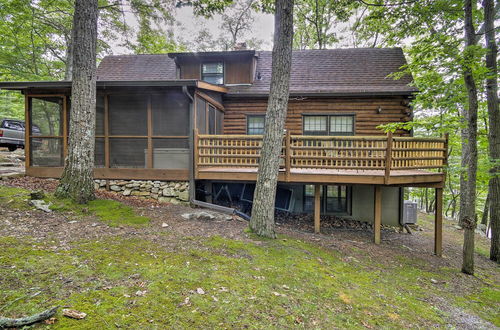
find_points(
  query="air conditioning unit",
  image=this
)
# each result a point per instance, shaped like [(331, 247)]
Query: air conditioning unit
[(409, 213)]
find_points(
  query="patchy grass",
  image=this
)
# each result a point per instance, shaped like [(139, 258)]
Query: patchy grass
[(258, 284), (178, 280), (15, 198), (481, 244), (112, 212)]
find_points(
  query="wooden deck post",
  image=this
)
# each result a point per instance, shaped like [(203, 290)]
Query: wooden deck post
[(27, 133), (287, 156), (377, 210), (438, 223), (388, 158), (317, 208), (196, 153)]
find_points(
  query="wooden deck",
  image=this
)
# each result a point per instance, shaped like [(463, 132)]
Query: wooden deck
[(377, 160), (333, 176)]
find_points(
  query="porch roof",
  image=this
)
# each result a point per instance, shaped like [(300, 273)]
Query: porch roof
[(102, 84)]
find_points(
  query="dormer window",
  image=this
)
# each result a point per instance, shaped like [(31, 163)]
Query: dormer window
[(213, 72)]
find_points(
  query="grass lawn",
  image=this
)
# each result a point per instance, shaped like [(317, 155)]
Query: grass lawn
[(136, 274)]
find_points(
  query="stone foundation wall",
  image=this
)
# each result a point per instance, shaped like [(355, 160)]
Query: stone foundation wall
[(175, 192)]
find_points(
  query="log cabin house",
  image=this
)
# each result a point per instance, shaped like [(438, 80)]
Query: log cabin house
[(199, 117)]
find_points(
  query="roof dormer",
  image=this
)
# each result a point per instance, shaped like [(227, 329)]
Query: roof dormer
[(220, 68)]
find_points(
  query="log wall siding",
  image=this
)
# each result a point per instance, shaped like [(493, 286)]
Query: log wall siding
[(365, 111)]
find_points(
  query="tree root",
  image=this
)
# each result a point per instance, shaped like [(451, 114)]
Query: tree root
[(15, 323)]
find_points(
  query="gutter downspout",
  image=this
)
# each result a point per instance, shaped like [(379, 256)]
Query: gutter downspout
[(192, 188)]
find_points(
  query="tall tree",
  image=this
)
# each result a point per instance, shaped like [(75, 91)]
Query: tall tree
[(494, 128), (315, 19), (77, 179), (469, 146), (262, 220)]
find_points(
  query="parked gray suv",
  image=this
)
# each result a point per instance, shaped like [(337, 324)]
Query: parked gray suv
[(12, 133)]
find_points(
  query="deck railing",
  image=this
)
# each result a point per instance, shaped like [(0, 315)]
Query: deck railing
[(326, 152)]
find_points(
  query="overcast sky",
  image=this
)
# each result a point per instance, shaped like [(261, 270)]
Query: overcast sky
[(188, 27)]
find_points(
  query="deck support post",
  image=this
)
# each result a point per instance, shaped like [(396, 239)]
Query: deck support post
[(377, 212), (438, 223), (317, 208)]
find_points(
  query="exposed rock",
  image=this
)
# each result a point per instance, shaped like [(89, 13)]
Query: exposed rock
[(140, 193), (127, 192), (41, 205), (169, 192), (164, 199), (184, 196), (39, 194), (115, 188), (200, 215)]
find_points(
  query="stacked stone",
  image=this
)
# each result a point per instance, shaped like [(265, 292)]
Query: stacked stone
[(175, 192)]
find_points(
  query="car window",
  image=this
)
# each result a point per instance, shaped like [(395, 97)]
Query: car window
[(14, 125)]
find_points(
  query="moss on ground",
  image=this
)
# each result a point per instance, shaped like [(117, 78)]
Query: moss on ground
[(112, 212), (133, 283), (216, 282)]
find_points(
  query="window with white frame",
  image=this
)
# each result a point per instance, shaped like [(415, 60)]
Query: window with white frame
[(341, 125), (315, 125), (328, 125), (255, 124), (213, 73)]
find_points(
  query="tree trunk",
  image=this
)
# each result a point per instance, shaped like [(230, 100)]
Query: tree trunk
[(262, 220), (77, 178), (494, 128), (486, 209), (469, 153), (68, 73)]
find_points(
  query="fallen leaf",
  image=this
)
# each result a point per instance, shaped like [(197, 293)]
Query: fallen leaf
[(74, 314), (52, 320)]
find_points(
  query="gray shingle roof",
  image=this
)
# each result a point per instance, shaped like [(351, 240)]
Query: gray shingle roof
[(332, 71), (136, 67)]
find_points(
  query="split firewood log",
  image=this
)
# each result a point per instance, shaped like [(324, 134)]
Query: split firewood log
[(20, 322)]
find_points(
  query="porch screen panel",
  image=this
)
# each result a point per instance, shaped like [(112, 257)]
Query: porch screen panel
[(170, 114), (99, 115), (128, 115), (128, 152), (46, 134), (46, 116), (46, 152), (99, 152), (201, 116)]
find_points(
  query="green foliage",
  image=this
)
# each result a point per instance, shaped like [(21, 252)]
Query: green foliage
[(11, 105), (316, 22), (432, 32)]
